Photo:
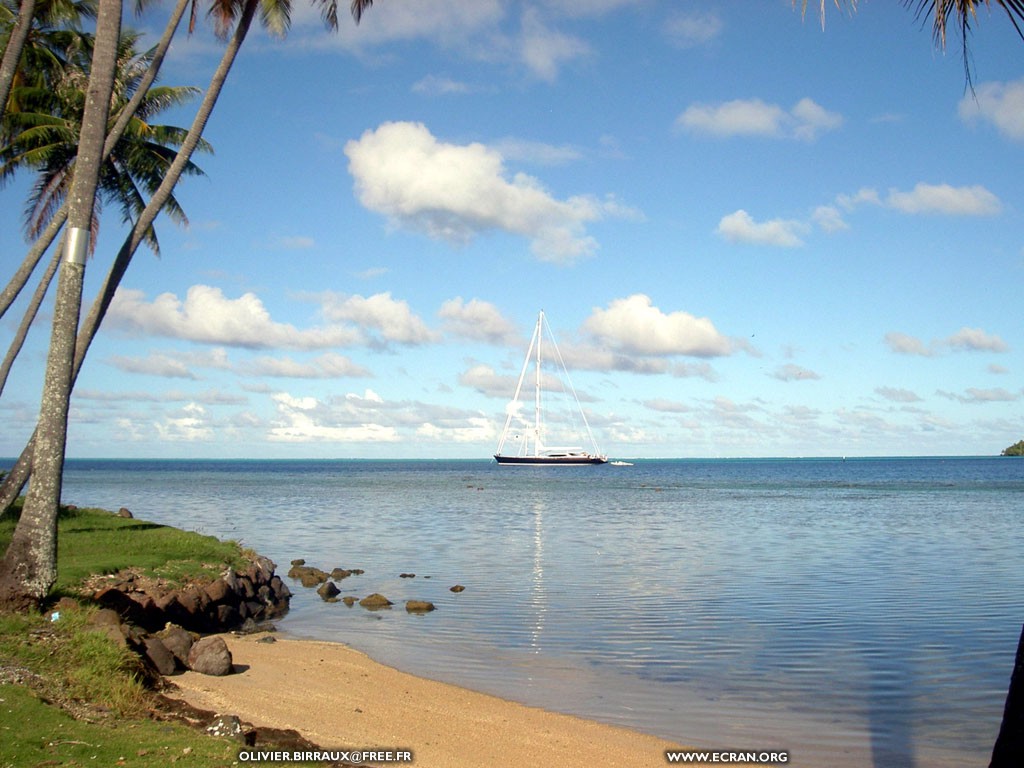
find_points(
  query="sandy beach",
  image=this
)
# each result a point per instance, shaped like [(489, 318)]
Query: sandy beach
[(339, 698)]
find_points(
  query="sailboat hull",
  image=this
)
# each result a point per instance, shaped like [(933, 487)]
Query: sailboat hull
[(548, 461)]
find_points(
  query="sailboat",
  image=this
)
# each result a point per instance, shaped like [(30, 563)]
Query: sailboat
[(531, 449)]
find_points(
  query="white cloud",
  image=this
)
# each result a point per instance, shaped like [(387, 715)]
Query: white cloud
[(634, 326), (754, 117), (207, 316), (190, 425), (863, 196), (964, 340), (485, 380), (478, 320), (455, 192), (898, 395), (829, 218), (904, 344), (809, 119), (791, 372), (544, 49), (945, 199), (155, 364), (976, 340), (306, 419), (688, 30), (1001, 104), (475, 429), (536, 152), (434, 85), (740, 227), (976, 396), (327, 366), (391, 318)]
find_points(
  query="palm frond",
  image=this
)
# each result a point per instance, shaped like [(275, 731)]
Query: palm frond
[(359, 6)]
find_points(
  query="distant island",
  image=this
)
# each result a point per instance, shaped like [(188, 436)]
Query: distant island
[(1017, 449)]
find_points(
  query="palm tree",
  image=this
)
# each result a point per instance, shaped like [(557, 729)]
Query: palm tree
[(28, 569), (958, 14), (42, 60), (43, 136), (30, 20), (45, 139), (43, 242), (31, 558)]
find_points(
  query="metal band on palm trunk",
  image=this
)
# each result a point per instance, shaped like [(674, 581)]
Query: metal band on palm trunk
[(76, 248)]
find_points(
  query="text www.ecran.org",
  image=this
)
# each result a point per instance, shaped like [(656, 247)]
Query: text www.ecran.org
[(759, 757)]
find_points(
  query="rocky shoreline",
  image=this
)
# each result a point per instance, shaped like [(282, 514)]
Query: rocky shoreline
[(165, 626)]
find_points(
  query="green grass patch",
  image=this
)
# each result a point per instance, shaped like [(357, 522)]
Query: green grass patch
[(95, 541), (33, 733), (77, 662)]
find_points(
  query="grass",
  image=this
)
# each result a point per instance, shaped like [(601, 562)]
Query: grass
[(70, 664), (33, 733), (44, 663), (94, 541)]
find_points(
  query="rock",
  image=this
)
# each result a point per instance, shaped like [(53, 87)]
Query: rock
[(210, 656), (104, 616), (178, 641), (375, 601), (227, 615), (349, 600), (267, 639), (218, 591), (340, 573), (418, 606), (66, 604), (310, 577), (125, 512), (328, 591), (159, 655), (118, 633), (226, 725), (300, 561), (357, 571), (407, 575), (457, 588)]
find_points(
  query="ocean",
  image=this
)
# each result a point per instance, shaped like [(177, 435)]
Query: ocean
[(860, 612)]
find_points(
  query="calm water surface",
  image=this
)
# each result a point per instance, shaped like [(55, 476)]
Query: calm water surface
[(861, 612)]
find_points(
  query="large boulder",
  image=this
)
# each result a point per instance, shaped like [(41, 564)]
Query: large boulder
[(178, 641), (158, 655), (210, 656)]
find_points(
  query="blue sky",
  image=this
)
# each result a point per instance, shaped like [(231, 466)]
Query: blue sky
[(752, 236)]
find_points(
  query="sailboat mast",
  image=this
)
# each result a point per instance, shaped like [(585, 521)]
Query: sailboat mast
[(540, 337)]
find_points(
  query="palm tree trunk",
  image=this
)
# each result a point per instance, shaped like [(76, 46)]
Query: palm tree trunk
[(1008, 751), (28, 264), (30, 563), (12, 52)]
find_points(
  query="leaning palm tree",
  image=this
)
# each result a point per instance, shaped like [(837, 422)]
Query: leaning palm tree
[(30, 561), (44, 139), (43, 242), (28, 569)]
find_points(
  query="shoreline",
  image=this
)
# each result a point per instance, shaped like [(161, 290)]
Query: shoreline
[(339, 698)]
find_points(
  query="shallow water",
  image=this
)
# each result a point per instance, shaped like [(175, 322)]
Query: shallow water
[(866, 611)]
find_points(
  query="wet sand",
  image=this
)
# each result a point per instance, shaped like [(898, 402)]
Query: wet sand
[(339, 698)]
